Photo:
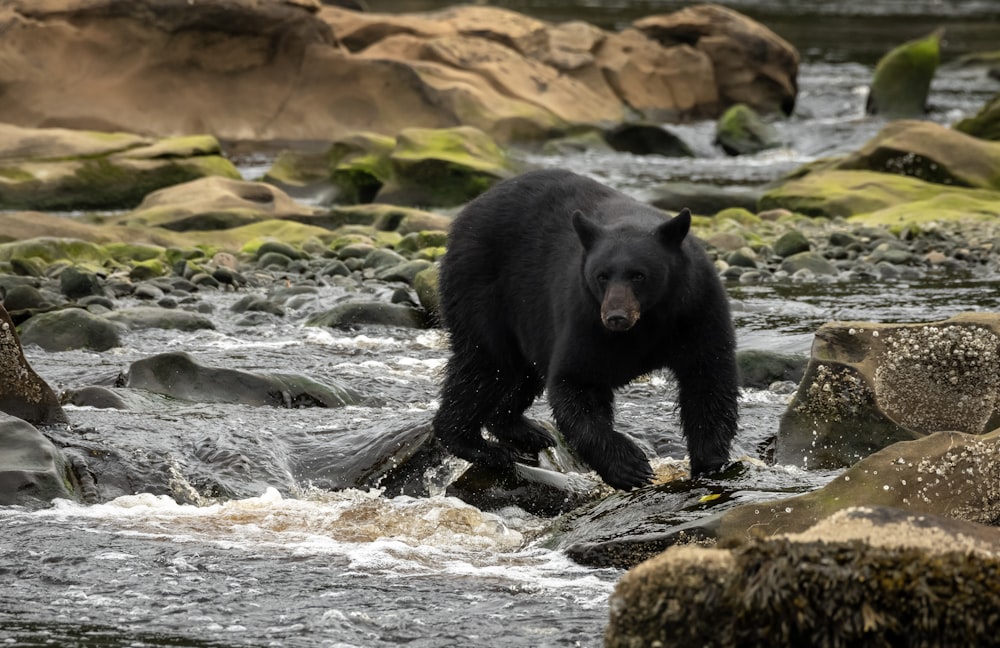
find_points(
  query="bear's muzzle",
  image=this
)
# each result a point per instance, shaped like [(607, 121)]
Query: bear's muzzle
[(620, 308)]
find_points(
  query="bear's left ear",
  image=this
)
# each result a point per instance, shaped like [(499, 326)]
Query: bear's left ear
[(672, 233), (586, 229)]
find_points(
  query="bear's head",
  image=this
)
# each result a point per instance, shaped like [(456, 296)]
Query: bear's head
[(626, 267)]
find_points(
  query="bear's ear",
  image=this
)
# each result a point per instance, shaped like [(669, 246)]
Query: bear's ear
[(672, 233), (586, 229)]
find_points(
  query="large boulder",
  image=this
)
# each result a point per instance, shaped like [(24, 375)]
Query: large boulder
[(72, 328), (60, 169), (930, 152), (32, 470), (869, 384), (865, 577), (301, 71)]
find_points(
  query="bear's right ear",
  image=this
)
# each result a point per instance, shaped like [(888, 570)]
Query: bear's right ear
[(586, 229), (672, 233)]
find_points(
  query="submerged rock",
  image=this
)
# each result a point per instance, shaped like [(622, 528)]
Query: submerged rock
[(147, 317), (354, 313), (178, 375), (32, 470), (871, 576), (868, 385)]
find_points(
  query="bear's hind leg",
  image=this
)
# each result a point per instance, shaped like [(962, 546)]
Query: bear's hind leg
[(508, 423), (469, 395)]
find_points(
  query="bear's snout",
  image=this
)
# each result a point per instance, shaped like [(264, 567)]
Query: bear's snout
[(620, 308)]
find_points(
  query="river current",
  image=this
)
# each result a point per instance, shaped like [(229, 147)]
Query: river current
[(283, 559)]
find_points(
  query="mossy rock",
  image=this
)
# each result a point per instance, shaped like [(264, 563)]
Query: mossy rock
[(58, 169), (945, 207), (985, 124), (359, 166), (930, 152), (444, 167), (903, 77), (50, 249), (741, 131), (123, 252), (845, 193), (149, 269), (425, 283), (388, 217)]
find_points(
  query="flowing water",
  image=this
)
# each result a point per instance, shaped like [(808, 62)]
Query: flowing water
[(258, 546)]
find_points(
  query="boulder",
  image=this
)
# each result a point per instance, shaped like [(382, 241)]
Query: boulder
[(71, 328), (213, 204), (833, 193), (151, 317), (929, 152), (23, 393), (903, 77), (178, 375), (32, 470), (369, 313), (299, 71), (702, 198), (869, 384), (985, 124), (741, 131), (865, 577), (59, 169), (646, 139), (751, 64)]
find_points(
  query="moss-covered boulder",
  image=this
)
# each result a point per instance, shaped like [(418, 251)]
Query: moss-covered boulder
[(359, 166), (930, 152), (60, 169), (49, 250), (869, 385), (833, 193), (985, 124), (741, 131), (443, 167), (903, 77)]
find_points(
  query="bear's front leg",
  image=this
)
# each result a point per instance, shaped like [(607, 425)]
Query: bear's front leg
[(709, 403), (585, 416)]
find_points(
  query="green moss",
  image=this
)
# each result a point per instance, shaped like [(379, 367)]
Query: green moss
[(134, 251), (985, 124), (53, 249), (947, 206), (15, 174)]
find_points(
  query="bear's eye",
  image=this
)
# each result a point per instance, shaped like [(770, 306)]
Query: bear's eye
[(637, 277), (602, 278)]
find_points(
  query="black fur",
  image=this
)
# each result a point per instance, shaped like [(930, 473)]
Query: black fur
[(529, 265)]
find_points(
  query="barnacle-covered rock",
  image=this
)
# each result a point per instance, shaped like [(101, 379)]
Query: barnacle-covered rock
[(869, 385), (864, 577)]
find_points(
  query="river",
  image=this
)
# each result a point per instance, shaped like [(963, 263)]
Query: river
[(281, 559)]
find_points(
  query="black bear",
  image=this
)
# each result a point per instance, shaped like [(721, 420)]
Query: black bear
[(555, 281)]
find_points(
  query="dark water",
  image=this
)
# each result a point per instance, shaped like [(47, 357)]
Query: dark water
[(282, 560)]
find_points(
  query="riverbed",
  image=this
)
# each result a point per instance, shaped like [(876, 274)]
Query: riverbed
[(262, 551)]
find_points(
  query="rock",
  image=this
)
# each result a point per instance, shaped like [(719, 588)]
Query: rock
[(903, 78), (790, 243), (870, 576), (868, 385), (58, 169), (759, 369), (443, 167), (359, 313), (751, 64), (28, 298), (985, 124), (178, 375), (405, 271), (49, 249), (76, 283), (646, 139), (213, 204), (702, 198), (834, 193), (425, 283), (23, 393), (930, 152), (298, 71), (256, 303), (151, 317), (32, 471), (741, 131), (93, 396), (811, 262), (71, 328), (359, 166)]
